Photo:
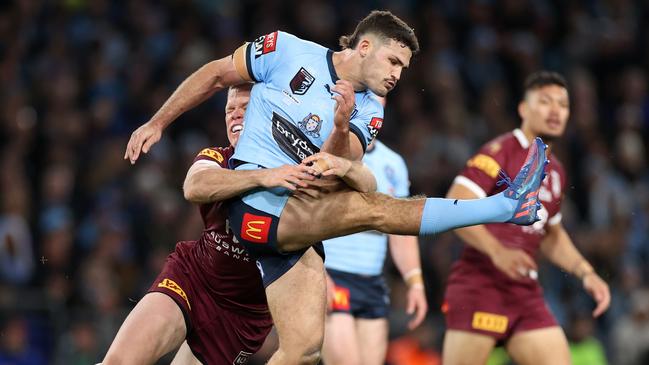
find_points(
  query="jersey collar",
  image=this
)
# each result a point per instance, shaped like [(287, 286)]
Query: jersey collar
[(330, 63), (520, 136)]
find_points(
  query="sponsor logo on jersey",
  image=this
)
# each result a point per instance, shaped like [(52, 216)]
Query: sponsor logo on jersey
[(375, 126), (489, 322), (301, 82), (255, 228), (171, 285), (485, 163), (211, 154), (265, 44), (341, 298), (311, 125), (242, 358), (291, 140)]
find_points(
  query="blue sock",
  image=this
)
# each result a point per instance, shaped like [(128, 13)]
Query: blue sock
[(444, 214)]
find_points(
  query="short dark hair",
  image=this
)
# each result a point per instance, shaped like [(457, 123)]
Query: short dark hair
[(543, 78), (386, 25)]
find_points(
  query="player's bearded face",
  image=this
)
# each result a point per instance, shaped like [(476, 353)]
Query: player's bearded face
[(384, 64), (545, 111), (234, 111)]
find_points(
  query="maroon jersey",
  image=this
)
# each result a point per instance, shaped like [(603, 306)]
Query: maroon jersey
[(506, 152), (223, 267)]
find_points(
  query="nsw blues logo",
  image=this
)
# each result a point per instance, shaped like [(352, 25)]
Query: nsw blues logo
[(301, 82), (311, 125)]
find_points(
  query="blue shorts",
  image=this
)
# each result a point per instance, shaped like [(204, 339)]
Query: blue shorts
[(256, 230), (361, 296)]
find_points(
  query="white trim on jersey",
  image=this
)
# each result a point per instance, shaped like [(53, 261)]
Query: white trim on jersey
[(556, 219), (520, 137), (469, 184)]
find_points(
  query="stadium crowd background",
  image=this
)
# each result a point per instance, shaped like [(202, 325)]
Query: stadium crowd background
[(83, 233)]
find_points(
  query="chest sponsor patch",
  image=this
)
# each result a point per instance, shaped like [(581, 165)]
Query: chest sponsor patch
[(485, 163), (291, 140), (301, 82), (489, 322), (265, 44)]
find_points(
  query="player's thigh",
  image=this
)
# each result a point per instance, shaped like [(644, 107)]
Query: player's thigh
[(539, 347), (184, 356), (373, 340), (466, 348), (341, 346), (154, 327), (297, 303)]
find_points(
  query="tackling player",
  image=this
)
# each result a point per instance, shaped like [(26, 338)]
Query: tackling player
[(492, 294)]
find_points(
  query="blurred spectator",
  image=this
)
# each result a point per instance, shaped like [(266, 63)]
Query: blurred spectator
[(585, 349), (15, 346), (631, 333)]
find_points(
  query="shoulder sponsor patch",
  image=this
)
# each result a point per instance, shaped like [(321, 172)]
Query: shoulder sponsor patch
[(265, 44), (489, 322), (301, 82), (212, 154), (375, 126), (485, 163)]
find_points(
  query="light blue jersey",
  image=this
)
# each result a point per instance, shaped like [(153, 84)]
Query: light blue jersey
[(291, 110), (364, 253)]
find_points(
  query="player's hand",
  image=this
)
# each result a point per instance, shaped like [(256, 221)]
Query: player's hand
[(326, 164), (598, 289), (331, 292), (141, 140), (345, 100), (416, 305), (514, 262), (286, 176)]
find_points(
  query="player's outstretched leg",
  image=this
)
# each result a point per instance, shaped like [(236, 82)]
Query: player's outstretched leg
[(333, 210)]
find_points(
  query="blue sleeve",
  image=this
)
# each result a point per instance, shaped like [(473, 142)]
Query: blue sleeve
[(402, 190), (366, 122), (267, 52)]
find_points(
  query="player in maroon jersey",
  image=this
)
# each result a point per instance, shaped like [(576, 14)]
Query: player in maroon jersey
[(209, 291), (492, 294)]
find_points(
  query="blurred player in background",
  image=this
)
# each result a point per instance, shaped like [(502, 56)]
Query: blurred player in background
[(356, 331), (492, 294)]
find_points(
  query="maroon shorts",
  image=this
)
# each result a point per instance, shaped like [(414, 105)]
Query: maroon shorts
[(215, 334), (495, 312)]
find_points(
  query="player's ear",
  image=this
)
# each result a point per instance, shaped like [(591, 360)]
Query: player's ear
[(364, 46), (522, 109)]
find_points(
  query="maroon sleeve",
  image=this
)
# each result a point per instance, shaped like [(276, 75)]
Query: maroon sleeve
[(483, 168), (214, 154)]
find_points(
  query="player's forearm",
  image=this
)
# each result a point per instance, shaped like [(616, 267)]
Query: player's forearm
[(405, 255), (211, 185), (360, 178), (195, 89), (481, 239), (559, 249)]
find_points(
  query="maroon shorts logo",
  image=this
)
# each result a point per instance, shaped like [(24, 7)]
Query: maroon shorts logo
[(255, 228), (242, 358)]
